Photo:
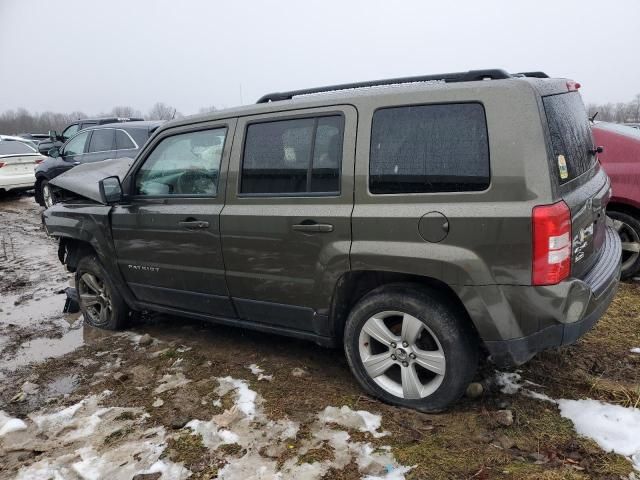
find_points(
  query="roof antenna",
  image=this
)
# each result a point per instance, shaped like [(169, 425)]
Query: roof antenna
[(594, 117)]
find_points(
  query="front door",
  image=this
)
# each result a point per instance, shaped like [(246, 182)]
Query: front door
[(167, 238), (286, 225)]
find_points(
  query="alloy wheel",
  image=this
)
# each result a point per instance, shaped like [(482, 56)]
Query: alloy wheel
[(402, 355), (630, 243), (96, 299), (47, 195)]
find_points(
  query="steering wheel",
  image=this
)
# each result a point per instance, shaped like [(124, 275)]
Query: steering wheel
[(196, 182)]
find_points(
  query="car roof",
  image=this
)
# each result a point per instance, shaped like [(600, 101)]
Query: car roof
[(541, 85), (143, 124)]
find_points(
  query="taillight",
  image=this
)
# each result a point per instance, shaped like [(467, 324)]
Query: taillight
[(39, 161), (551, 243), (573, 86), (2, 164)]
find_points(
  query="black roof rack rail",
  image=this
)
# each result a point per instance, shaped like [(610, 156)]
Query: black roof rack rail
[(532, 74), (470, 76)]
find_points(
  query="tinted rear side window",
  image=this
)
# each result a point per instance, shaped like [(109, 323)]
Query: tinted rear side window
[(570, 135), (429, 148), (123, 141), (101, 140), (293, 156)]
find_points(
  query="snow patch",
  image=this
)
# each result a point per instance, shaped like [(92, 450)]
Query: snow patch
[(509, 382), (613, 427), (360, 420), (259, 372), (635, 350), (169, 382), (245, 397), (9, 424)]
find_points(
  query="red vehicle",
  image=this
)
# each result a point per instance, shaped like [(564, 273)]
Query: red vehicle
[(621, 161)]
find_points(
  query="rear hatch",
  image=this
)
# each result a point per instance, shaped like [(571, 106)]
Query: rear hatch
[(577, 177)]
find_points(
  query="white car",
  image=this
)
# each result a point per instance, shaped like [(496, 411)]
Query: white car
[(18, 161)]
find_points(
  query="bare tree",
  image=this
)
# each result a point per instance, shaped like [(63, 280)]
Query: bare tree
[(162, 111), (125, 112)]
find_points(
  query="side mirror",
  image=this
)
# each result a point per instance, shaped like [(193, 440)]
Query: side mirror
[(53, 152), (53, 135), (110, 190)]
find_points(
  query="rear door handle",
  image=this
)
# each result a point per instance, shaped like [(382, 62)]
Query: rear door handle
[(194, 224), (313, 227)]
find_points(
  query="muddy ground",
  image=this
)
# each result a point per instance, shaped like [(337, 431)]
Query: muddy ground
[(172, 397)]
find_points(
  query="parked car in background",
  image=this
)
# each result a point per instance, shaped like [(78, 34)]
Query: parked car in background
[(34, 137), (17, 163), (56, 140), (402, 223), (621, 160), (13, 138), (113, 140)]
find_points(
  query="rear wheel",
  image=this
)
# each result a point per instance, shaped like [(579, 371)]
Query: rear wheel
[(100, 302), (46, 192), (408, 348), (628, 228)]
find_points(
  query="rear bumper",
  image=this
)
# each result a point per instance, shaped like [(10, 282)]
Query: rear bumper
[(17, 182), (580, 304)]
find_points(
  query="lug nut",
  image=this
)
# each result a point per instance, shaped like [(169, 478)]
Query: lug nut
[(393, 357), (412, 355), (405, 344), (393, 345), (405, 364)]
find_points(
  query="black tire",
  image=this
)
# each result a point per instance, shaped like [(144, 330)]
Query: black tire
[(455, 339), (108, 309), (629, 231)]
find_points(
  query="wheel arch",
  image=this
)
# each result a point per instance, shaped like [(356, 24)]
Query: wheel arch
[(623, 207), (353, 286)]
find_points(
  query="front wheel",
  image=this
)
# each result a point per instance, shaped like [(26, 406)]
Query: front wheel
[(408, 348), (46, 192), (100, 302)]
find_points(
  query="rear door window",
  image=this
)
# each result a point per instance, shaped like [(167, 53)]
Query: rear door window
[(102, 140), (571, 138), (293, 156), (429, 148), (123, 141)]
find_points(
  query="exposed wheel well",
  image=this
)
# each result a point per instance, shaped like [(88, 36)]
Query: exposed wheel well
[(352, 286), (70, 251)]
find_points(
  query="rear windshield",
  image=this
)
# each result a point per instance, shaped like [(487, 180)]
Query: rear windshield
[(14, 147), (571, 138)]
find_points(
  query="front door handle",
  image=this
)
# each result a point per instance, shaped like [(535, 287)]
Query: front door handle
[(313, 227), (193, 224)]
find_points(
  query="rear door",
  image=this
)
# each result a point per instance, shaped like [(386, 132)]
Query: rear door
[(102, 145), (167, 238), (577, 176), (286, 226), (125, 144)]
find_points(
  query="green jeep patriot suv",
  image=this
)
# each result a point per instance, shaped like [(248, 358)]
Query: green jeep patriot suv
[(418, 222)]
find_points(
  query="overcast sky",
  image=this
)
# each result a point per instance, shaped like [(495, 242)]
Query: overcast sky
[(68, 55)]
